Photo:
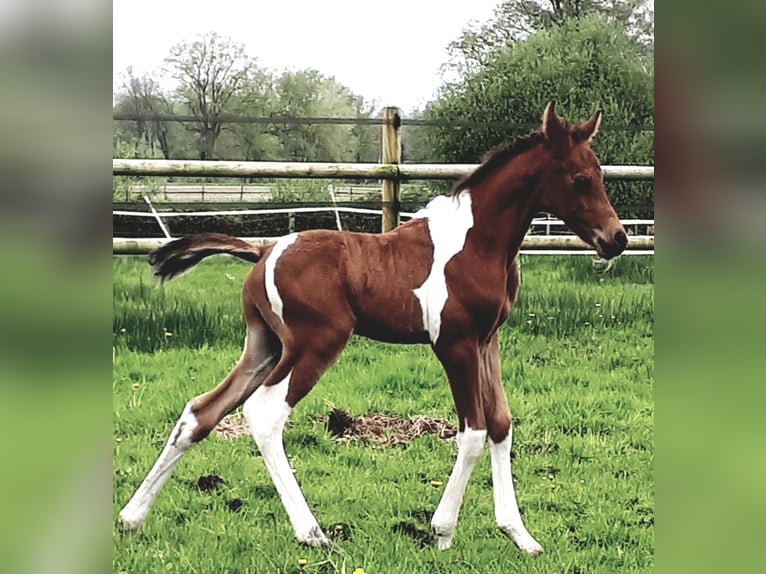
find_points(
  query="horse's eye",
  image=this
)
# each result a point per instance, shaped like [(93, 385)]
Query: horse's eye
[(582, 183)]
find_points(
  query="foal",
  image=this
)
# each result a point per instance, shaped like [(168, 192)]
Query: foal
[(447, 278)]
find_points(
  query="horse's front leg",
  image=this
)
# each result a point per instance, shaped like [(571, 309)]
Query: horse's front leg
[(500, 434), (461, 362)]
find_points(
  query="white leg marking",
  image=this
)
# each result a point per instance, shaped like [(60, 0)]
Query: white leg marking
[(137, 508), (266, 412), (449, 220), (470, 444), (506, 509), (271, 287)]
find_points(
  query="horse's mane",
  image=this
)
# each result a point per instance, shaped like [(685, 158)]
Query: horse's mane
[(497, 157)]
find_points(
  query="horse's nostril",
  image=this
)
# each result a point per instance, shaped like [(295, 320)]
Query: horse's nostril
[(621, 239)]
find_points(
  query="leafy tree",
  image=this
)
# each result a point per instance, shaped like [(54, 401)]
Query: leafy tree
[(415, 148), (124, 187), (211, 71), (366, 137), (309, 94), (515, 20), (583, 64), (253, 141)]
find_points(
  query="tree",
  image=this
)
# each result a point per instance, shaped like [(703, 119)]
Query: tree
[(583, 64), (253, 141), (515, 20), (211, 71), (142, 98), (124, 187), (309, 94)]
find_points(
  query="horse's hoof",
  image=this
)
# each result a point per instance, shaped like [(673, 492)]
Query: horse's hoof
[(443, 542), (531, 547), (315, 537), (128, 525), (523, 540), (527, 544)]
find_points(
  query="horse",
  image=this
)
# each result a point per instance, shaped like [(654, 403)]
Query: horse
[(446, 278)]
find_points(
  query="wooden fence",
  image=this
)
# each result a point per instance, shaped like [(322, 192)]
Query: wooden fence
[(390, 171)]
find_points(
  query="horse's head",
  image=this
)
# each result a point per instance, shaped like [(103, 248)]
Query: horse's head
[(571, 185)]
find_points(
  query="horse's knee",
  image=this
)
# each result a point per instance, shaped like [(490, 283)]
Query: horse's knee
[(206, 415), (471, 443), (499, 427), (265, 416), (186, 429), (256, 421)]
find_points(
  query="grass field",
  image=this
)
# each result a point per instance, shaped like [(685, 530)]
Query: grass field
[(577, 365)]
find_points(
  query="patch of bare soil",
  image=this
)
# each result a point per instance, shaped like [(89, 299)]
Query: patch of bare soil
[(231, 427), (384, 429), (374, 428)]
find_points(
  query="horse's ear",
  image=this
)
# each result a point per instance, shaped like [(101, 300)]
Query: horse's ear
[(553, 129), (588, 130)]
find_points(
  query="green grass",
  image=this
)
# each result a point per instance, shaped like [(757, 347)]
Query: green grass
[(577, 365)]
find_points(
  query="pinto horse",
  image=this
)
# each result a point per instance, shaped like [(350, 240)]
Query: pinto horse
[(447, 278)]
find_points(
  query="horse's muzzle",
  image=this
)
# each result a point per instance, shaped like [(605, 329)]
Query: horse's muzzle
[(613, 248)]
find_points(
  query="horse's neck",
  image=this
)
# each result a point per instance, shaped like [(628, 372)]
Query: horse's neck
[(500, 226)]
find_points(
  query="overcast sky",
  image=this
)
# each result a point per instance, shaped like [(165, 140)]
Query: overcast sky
[(389, 51)]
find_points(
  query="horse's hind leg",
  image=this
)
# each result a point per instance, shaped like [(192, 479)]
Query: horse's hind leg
[(269, 407), (203, 413), (500, 434)]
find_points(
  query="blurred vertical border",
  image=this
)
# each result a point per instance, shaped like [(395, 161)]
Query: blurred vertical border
[(711, 286), (55, 296)]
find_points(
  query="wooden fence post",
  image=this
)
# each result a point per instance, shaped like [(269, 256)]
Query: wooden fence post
[(391, 142)]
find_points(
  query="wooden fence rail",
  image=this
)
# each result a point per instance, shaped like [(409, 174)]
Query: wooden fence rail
[(392, 172), (269, 169)]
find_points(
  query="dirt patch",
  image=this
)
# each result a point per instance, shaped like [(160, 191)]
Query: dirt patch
[(384, 429), (374, 428), (232, 427)]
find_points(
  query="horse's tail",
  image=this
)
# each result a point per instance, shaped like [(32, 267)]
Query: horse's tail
[(182, 254)]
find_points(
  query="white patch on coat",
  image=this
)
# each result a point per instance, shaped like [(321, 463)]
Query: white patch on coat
[(135, 511), (271, 287), (506, 509), (266, 412), (449, 219), (470, 444)]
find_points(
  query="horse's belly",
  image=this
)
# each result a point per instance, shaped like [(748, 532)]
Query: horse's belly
[(392, 320), (386, 334)]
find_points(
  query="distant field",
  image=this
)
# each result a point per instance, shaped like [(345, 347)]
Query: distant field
[(577, 365)]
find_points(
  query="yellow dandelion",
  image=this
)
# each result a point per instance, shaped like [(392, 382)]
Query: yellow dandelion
[(359, 571), (436, 483), (302, 562)]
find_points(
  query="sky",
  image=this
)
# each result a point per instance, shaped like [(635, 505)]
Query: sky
[(388, 52)]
